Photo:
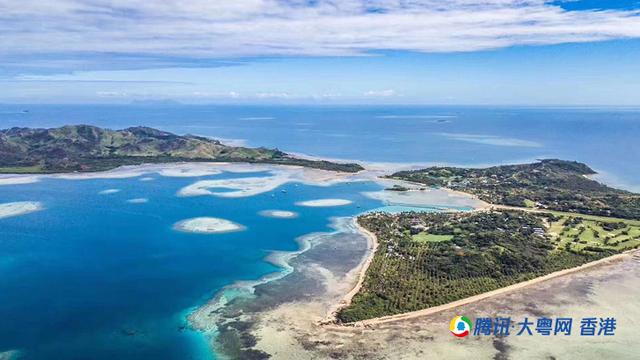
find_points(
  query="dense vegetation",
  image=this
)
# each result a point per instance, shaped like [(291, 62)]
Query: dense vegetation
[(89, 148), (424, 260), (548, 184)]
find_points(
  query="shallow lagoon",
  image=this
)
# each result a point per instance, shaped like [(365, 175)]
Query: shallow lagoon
[(96, 275)]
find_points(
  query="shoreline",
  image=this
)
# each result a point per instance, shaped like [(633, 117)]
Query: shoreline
[(363, 266)]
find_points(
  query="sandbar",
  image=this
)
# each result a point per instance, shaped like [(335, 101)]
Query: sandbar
[(19, 208), (109, 191), (138, 201), (208, 225), (324, 202), (282, 214), (188, 172), (240, 187)]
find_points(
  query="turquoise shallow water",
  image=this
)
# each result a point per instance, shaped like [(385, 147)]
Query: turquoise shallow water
[(93, 276)]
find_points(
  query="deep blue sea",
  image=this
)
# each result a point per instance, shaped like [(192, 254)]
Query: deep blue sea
[(605, 138), (93, 276)]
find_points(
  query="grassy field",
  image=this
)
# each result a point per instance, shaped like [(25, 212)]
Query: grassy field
[(594, 217), (21, 170), (580, 233), (425, 237), (603, 219)]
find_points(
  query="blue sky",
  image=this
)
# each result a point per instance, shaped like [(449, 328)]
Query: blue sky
[(499, 52)]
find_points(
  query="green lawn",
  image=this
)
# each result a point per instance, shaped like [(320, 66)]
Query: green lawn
[(590, 232), (593, 217), (21, 170), (424, 237)]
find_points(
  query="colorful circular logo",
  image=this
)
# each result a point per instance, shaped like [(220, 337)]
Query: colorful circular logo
[(460, 326)]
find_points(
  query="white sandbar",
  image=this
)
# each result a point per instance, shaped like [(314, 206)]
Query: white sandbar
[(109, 191), (281, 214), (19, 208), (138, 201), (208, 225), (186, 171), (324, 202), (240, 187)]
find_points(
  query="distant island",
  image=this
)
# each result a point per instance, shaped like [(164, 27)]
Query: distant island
[(545, 219), (86, 148)]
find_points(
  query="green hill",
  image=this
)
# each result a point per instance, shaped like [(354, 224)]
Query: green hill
[(90, 148)]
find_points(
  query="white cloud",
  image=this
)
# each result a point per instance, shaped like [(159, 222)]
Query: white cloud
[(272, 95), (218, 29), (380, 93), (111, 94)]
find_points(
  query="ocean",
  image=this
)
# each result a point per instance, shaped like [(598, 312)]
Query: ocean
[(604, 138), (94, 276)]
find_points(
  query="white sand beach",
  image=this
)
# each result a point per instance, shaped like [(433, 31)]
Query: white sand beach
[(324, 203), (282, 214), (19, 208), (18, 179), (361, 269), (208, 225)]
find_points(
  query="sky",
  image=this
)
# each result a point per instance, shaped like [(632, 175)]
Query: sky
[(458, 52)]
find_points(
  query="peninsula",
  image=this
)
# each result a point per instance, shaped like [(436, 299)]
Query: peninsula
[(86, 148), (546, 217)]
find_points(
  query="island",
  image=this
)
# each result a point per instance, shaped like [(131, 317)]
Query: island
[(547, 184), (544, 219), (85, 148)]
